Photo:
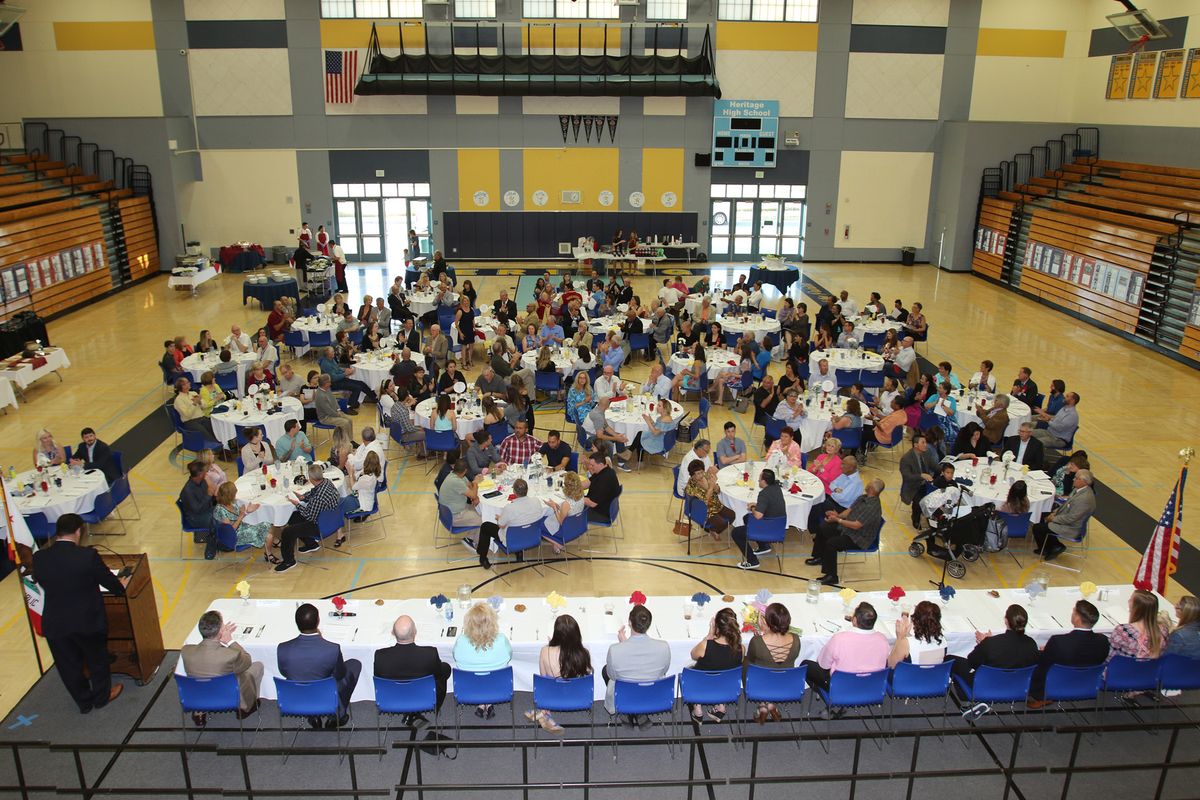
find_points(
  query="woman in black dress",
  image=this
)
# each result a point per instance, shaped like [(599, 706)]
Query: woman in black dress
[(720, 650)]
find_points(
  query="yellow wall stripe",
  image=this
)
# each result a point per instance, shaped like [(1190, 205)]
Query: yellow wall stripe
[(478, 170), (662, 171), (793, 36), (566, 35), (588, 170), (104, 35), (355, 34), (1021, 43)]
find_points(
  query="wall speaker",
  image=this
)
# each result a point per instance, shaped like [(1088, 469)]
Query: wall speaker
[(703, 159)]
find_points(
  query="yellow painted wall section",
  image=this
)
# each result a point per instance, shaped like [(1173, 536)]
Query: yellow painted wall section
[(590, 171), (356, 34), (567, 35), (1021, 43), (662, 171), (794, 36), (133, 35), (478, 170)]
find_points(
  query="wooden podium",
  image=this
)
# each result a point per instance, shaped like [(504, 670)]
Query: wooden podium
[(134, 634)]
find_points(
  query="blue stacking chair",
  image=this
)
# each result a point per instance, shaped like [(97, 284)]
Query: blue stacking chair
[(415, 696), (873, 549), (909, 681), (846, 377), (186, 529), (548, 382), (639, 342), (1076, 548), (329, 522), (871, 378), (872, 341), (771, 429), (897, 438), (482, 689), (439, 442), (645, 698), (317, 340), (227, 542), (1128, 674), (40, 528), (780, 686), (1073, 684), (306, 699), (696, 511), (446, 521), (856, 690), (218, 695), (1018, 528), (581, 437), (992, 685), (710, 688), (573, 462), (1178, 673), (243, 430), (563, 695), (851, 438), (101, 510), (176, 421), (518, 539), (228, 381), (614, 510), (294, 340), (499, 431), (731, 339), (768, 530), (761, 362), (194, 441), (675, 495), (571, 529), (121, 492), (241, 466), (355, 337), (361, 517), (700, 390)]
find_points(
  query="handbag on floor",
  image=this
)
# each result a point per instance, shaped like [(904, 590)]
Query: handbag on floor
[(683, 525)]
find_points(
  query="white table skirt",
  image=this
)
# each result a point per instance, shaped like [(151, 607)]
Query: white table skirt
[(841, 359), (468, 422), (25, 374), (77, 495), (224, 423), (318, 324), (199, 363), (716, 361), (192, 281), (490, 507), (758, 325), (1018, 412), (627, 419), (273, 506), (8, 397), (424, 302), (602, 325), (561, 361), (736, 496), (263, 624), (372, 369), (873, 326)]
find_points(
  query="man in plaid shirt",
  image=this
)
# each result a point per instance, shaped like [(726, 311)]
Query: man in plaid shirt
[(321, 496), (518, 446)]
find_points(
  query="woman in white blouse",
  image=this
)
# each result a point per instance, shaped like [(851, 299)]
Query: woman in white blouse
[(556, 513), (919, 636), (983, 380), (256, 451), (361, 499)]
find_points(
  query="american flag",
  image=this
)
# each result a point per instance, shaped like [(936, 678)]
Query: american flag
[(341, 73), (1162, 554)]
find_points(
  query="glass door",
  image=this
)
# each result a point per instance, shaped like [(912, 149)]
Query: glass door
[(359, 230), (768, 228), (748, 221)]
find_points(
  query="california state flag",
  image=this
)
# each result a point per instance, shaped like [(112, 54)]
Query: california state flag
[(21, 548)]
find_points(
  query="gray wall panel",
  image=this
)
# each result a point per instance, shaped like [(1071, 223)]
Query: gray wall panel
[(897, 39)]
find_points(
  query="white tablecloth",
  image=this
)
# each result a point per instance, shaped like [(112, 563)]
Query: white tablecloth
[(263, 624), (811, 428), (736, 496), (757, 324), (602, 325), (844, 360), (199, 363), (483, 324), (24, 373), (692, 303), (564, 359), (468, 421), (625, 416), (76, 496), (193, 280), (490, 507), (862, 325), (8, 397), (322, 323), (223, 423), (424, 302), (1018, 411), (273, 506), (1038, 484), (373, 368), (716, 360)]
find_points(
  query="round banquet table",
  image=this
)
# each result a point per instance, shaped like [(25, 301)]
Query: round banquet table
[(625, 416), (1039, 485), (199, 363), (717, 361), (320, 323), (424, 302), (842, 359), (273, 505), (602, 325), (563, 361), (1018, 411), (817, 420), (862, 325), (737, 496), (757, 324), (224, 422), (490, 507), (781, 276), (693, 302), (468, 421), (77, 495), (372, 368), (267, 293), (483, 324)]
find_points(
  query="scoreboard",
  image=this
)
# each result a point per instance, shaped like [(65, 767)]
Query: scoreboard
[(745, 133)]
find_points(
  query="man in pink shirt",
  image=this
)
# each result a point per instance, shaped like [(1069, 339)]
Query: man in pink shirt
[(860, 649)]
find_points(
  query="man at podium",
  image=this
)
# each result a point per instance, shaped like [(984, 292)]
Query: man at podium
[(73, 620)]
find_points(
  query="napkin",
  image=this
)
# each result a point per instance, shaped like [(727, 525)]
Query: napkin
[(847, 595), (1087, 588), (619, 398), (637, 598), (1034, 589), (732, 363), (438, 600), (763, 596), (794, 490), (895, 593), (512, 497), (700, 598), (947, 592)]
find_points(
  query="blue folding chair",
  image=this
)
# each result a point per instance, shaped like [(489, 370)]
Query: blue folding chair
[(195, 441), (39, 527), (415, 696), (360, 517), (482, 689), (991, 685), (121, 492), (1018, 528), (306, 699), (779, 686), (219, 695), (102, 509), (731, 340), (241, 466), (851, 438), (1126, 674), (1178, 673), (563, 695), (846, 377), (614, 510), (446, 521), (439, 442), (711, 688), (186, 529), (856, 690), (318, 340), (768, 530), (294, 340), (897, 437), (548, 383), (517, 539), (571, 529), (675, 495), (573, 462), (695, 510), (701, 390), (645, 698), (639, 342), (1073, 684), (873, 549), (871, 379), (499, 431), (909, 681), (873, 341), (228, 382), (771, 429)]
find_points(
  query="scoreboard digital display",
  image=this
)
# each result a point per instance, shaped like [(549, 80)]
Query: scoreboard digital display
[(745, 133)]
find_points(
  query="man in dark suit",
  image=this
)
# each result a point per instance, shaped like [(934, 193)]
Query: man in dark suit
[(73, 620), (1024, 387), (1026, 449), (1012, 649), (504, 307), (1082, 647), (409, 336), (311, 657), (91, 453), (917, 468), (406, 660)]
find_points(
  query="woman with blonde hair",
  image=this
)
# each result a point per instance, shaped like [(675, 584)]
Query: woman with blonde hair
[(556, 513), (214, 476), (1185, 639), (1145, 635), (228, 510), (580, 400), (361, 499), (339, 448), (210, 393), (47, 452), (481, 647)]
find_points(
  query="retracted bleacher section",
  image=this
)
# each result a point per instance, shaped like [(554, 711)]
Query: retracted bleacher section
[(1116, 244), (76, 223)]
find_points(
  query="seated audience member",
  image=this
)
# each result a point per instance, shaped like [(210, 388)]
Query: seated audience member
[(481, 647), (256, 452), (995, 420), (861, 649), (1024, 388), (341, 379), (564, 657), (225, 362), (196, 499), (523, 510), (776, 647), (1055, 399), (170, 364), (329, 412), (919, 637), (786, 447), (1145, 635), (608, 384), (766, 398), (1185, 639), (702, 485), (294, 444), (211, 394), (238, 342), (791, 411), (769, 505), (916, 323), (459, 495), (605, 437), (1082, 647), (370, 444), (843, 491), (228, 511), (312, 657), (886, 425), (1025, 448), (187, 405), (828, 463), (91, 453), (983, 380), (701, 451), (1060, 426), (1017, 500), (555, 514), (1012, 649), (657, 384), (481, 455), (855, 528), (1069, 520), (556, 452), (216, 655), (302, 524), (731, 449), (518, 447), (970, 441), (406, 660), (635, 657), (719, 650), (653, 440), (289, 384), (602, 486)]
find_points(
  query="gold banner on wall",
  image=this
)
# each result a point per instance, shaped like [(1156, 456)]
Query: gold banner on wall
[(1170, 70), (1118, 77), (1191, 75), (1141, 81)]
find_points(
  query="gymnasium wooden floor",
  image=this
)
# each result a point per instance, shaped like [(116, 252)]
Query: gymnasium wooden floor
[(1134, 412)]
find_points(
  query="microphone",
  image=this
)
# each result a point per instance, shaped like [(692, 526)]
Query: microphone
[(124, 565)]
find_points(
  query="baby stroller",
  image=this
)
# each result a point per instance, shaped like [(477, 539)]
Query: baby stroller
[(956, 538)]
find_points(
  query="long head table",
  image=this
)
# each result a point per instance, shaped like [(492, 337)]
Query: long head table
[(263, 624)]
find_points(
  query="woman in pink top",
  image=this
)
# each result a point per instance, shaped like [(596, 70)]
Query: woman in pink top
[(828, 465)]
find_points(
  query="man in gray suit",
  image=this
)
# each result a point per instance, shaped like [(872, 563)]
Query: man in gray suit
[(635, 657), (1069, 519), (217, 655), (917, 467)]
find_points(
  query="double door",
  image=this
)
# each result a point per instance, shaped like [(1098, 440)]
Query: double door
[(376, 228), (747, 229)]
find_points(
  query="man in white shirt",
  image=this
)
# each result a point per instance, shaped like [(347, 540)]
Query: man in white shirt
[(524, 510), (668, 294), (755, 300), (822, 373), (369, 444), (849, 306), (847, 337), (701, 451), (607, 385), (905, 357), (237, 341), (265, 352), (657, 384)]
